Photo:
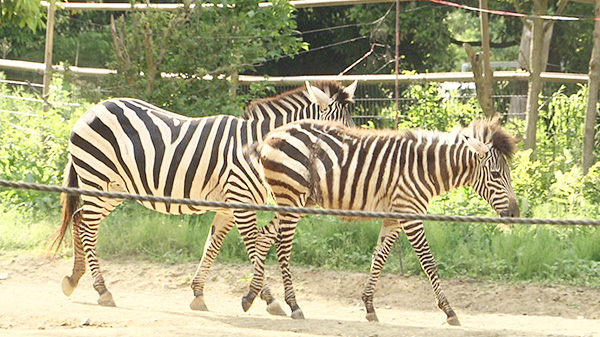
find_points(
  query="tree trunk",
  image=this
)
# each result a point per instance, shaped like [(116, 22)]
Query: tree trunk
[(518, 104), (535, 68), (484, 97), (590, 114)]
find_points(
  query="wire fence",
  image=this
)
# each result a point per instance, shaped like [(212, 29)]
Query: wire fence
[(299, 210)]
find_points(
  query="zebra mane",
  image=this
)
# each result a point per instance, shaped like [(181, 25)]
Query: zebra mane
[(491, 133), (487, 130), (332, 88)]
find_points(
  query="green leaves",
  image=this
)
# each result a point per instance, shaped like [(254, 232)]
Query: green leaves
[(21, 13), (219, 41), (33, 142)]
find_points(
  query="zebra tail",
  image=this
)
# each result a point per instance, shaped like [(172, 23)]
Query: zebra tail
[(252, 154), (70, 204)]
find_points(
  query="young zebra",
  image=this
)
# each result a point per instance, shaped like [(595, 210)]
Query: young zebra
[(337, 167), (127, 145)]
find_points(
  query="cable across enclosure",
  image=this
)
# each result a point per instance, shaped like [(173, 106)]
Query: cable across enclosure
[(299, 210)]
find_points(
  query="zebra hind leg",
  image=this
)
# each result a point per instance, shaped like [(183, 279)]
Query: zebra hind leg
[(69, 283), (266, 237), (387, 236), (221, 225), (285, 237), (94, 210)]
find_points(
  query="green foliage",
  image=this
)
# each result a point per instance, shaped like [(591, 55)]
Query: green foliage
[(424, 38), (215, 41), (21, 13), (33, 142), (432, 109)]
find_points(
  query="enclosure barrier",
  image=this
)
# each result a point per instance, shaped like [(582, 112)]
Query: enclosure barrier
[(299, 210)]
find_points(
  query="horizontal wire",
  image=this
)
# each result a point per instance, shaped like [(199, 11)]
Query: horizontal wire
[(513, 14), (299, 210)]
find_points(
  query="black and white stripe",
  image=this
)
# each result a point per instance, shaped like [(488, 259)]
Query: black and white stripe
[(396, 171), (128, 145)]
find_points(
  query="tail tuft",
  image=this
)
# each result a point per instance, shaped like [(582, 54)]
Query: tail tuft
[(70, 204)]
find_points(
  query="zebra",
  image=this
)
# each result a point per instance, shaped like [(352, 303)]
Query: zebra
[(128, 145), (336, 167)]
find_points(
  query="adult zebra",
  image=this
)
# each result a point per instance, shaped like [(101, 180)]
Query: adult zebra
[(345, 168), (128, 145)]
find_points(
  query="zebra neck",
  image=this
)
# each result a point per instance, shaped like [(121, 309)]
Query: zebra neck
[(449, 166), (462, 165)]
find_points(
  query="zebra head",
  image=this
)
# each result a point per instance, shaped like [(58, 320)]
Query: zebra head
[(333, 100), (492, 147)]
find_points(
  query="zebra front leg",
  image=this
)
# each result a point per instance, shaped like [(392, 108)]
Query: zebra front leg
[(387, 236), (416, 237), (285, 237), (69, 283), (264, 241), (221, 225)]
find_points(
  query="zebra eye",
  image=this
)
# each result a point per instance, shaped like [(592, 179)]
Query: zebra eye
[(495, 174)]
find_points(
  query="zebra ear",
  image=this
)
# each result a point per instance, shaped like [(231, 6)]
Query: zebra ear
[(317, 96), (350, 91), (476, 145)]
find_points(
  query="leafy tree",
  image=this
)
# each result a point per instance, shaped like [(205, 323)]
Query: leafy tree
[(21, 13), (217, 41)]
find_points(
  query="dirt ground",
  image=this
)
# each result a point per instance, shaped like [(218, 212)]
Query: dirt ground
[(152, 300)]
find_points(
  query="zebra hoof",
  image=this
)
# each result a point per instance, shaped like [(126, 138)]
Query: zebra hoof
[(275, 309), (198, 304), (372, 317), (453, 320), (246, 304), (297, 314), (68, 286), (106, 300)]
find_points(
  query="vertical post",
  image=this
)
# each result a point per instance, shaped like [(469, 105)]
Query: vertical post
[(48, 53), (397, 96), (397, 62), (235, 83), (535, 68), (486, 99), (593, 85)]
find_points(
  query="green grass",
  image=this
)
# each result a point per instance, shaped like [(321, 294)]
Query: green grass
[(541, 254)]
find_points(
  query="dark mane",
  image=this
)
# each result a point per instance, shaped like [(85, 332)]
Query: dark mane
[(334, 90), (491, 132), (487, 130), (331, 88)]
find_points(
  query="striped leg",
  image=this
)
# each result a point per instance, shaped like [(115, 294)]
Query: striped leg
[(221, 225), (416, 237), (69, 283), (85, 228), (264, 241), (285, 237), (387, 236)]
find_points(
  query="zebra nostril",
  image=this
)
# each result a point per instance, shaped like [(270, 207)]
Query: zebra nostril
[(511, 212)]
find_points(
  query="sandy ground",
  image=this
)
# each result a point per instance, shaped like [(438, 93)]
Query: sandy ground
[(152, 300)]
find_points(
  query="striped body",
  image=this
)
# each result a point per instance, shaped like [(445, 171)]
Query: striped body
[(128, 145), (342, 168)]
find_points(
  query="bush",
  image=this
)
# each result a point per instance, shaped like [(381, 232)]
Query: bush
[(33, 142)]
